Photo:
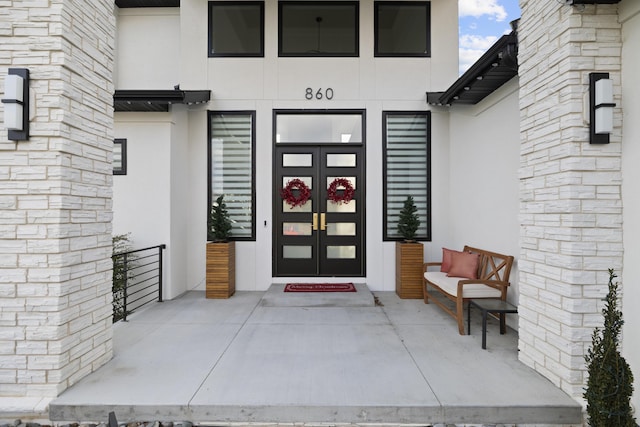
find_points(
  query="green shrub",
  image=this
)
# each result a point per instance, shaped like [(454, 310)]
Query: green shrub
[(610, 382)]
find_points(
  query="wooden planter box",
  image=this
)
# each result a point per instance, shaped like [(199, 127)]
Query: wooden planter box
[(409, 260), (221, 270)]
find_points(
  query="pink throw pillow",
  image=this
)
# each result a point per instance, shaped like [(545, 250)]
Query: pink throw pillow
[(464, 264), (446, 259)]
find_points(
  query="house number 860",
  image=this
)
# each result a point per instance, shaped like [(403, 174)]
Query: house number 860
[(319, 94)]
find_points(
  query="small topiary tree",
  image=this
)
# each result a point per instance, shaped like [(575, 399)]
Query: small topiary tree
[(610, 382), (409, 222), (219, 221)]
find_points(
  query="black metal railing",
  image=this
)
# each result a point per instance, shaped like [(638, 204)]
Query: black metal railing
[(137, 280)]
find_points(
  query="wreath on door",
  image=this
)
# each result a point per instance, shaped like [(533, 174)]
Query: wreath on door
[(346, 194), (288, 193)]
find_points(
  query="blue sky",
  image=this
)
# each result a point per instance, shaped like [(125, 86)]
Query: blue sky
[(481, 23)]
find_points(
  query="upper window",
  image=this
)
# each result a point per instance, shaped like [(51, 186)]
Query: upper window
[(402, 28), (231, 168), (236, 28), (313, 28), (407, 170)]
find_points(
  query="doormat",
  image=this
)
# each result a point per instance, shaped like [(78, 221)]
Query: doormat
[(320, 287)]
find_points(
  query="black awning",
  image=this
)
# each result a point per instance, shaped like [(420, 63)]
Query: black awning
[(157, 100), (496, 67), (147, 3)]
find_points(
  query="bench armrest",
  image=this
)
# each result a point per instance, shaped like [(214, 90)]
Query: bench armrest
[(496, 284), (426, 265)]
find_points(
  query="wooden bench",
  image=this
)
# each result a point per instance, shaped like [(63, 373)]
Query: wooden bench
[(492, 281)]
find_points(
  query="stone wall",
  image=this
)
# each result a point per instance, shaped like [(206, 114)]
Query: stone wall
[(55, 200), (570, 190)]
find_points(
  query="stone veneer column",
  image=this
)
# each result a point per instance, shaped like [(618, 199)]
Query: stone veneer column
[(55, 200), (571, 208)]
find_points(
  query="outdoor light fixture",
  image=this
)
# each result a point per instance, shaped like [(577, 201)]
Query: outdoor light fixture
[(600, 107), (16, 104)]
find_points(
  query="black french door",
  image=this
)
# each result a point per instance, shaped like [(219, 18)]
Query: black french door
[(322, 237)]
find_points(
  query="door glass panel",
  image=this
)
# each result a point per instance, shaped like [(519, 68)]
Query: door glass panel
[(341, 252), (341, 229), (319, 128), (308, 181), (286, 207), (341, 207), (299, 252), (352, 180), (296, 229), (341, 160), (297, 160)]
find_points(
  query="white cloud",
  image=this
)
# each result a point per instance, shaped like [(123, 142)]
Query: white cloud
[(472, 47), (478, 8)]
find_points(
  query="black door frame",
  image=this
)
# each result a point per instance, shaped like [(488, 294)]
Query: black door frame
[(324, 267)]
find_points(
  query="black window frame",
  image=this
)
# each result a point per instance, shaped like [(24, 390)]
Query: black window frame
[(385, 230), (210, 198), (211, 6), (376, 19), (355, 54), (122, 142)]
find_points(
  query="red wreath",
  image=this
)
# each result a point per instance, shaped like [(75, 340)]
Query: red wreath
[(347, 193), (303, 193)]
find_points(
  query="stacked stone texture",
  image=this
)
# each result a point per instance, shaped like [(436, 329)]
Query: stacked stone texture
[(571, 206), (55, 197)]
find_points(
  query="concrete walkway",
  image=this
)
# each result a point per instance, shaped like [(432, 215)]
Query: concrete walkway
[(261, 358)]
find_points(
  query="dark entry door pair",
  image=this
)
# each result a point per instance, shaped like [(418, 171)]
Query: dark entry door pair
[(321, 237)]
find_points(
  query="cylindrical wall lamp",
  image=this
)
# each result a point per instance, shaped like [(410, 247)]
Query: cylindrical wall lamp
[(16, 104)]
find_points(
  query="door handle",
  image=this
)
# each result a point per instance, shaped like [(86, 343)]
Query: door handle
[(323, 221), (315, 222)]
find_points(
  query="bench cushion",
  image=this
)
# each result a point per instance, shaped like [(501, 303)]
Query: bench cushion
[(450, 286)]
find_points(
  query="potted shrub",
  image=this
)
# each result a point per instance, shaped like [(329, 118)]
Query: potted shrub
[(409, 254), (221, 253)]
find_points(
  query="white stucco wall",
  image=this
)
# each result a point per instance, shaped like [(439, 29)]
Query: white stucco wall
[(630, 17), (265, 84), (148, 48), (483, 176)]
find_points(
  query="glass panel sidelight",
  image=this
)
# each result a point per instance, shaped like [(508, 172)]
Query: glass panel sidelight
[(406, 170), (296, 252), (341, 252), (341, 160)]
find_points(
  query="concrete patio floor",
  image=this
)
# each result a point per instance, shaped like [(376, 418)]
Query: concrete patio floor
[(299, 358)]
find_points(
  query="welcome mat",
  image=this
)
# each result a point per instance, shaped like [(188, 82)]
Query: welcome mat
[(320, 287)]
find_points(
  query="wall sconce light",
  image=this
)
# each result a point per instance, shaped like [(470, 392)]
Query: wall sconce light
[(600, 107), (16, 104)]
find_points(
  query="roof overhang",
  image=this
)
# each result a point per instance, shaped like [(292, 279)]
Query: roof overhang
[(496, 67), (592, 1), (147, 3), (157, 100)]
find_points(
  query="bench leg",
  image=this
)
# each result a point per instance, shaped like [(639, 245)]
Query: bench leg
[(425, 295), (460, 315), (484, 329), (503, 324)]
